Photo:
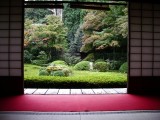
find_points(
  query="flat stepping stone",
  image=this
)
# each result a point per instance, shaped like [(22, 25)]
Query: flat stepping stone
[(40, 91), (121, 90), (76, 91), (110, 91), (29, 91), (64, 91), (99, 91), (52, 91), (87, 91)]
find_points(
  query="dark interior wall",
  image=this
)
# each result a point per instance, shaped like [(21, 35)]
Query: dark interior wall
[(11, 41), (144, 48)]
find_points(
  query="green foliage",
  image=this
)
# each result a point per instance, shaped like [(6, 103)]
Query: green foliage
[(43, 73), (57, 73), (111, 56), (49, 36), (71, 59), (99, 60), (34, 51), (42, 55), (27, 57), (37, 15), (124, 68), (72, 19), (90, 57), (83, 65), (105, 30), (76, 44), (63, 70), (80, 79), (121, 26), (67, 72), (115, 65), (101, 66), (59, 62), (59, 68), (51, 68), (38, 62)]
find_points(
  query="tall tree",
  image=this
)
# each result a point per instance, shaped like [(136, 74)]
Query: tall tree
[(105, 29), (36, 14), (72, 19), (50, 36)]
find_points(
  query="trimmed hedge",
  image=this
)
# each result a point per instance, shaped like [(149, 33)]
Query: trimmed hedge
[(72, 82)]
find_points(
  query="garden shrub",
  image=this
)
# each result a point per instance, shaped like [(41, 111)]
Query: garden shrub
[(67, 71), (124, 67), (101, 66), (99, 60), (35, 51), (83, 65), (59, 62), (115, 65), (42, 55), (54, 68), (27, 56), (57, 73), (81, 79), (43, 73), (38, 62), (71, 59), (90, 57), (42, 68)]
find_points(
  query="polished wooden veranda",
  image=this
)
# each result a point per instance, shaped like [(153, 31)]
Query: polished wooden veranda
[(75, 91)]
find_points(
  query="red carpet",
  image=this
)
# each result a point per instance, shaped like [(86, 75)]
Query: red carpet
[(67, 103)]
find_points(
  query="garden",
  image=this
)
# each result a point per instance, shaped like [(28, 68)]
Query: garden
[(75, 48)]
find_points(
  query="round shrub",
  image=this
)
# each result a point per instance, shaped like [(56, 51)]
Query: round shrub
[(54, 68), (124, 67), (99, 60), (83, 65), (59, 62), (43, 73), (57, 73), (101, 66), (67, 71), (115, 65)]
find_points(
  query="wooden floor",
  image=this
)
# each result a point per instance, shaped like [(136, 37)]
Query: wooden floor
[(75, 91)]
